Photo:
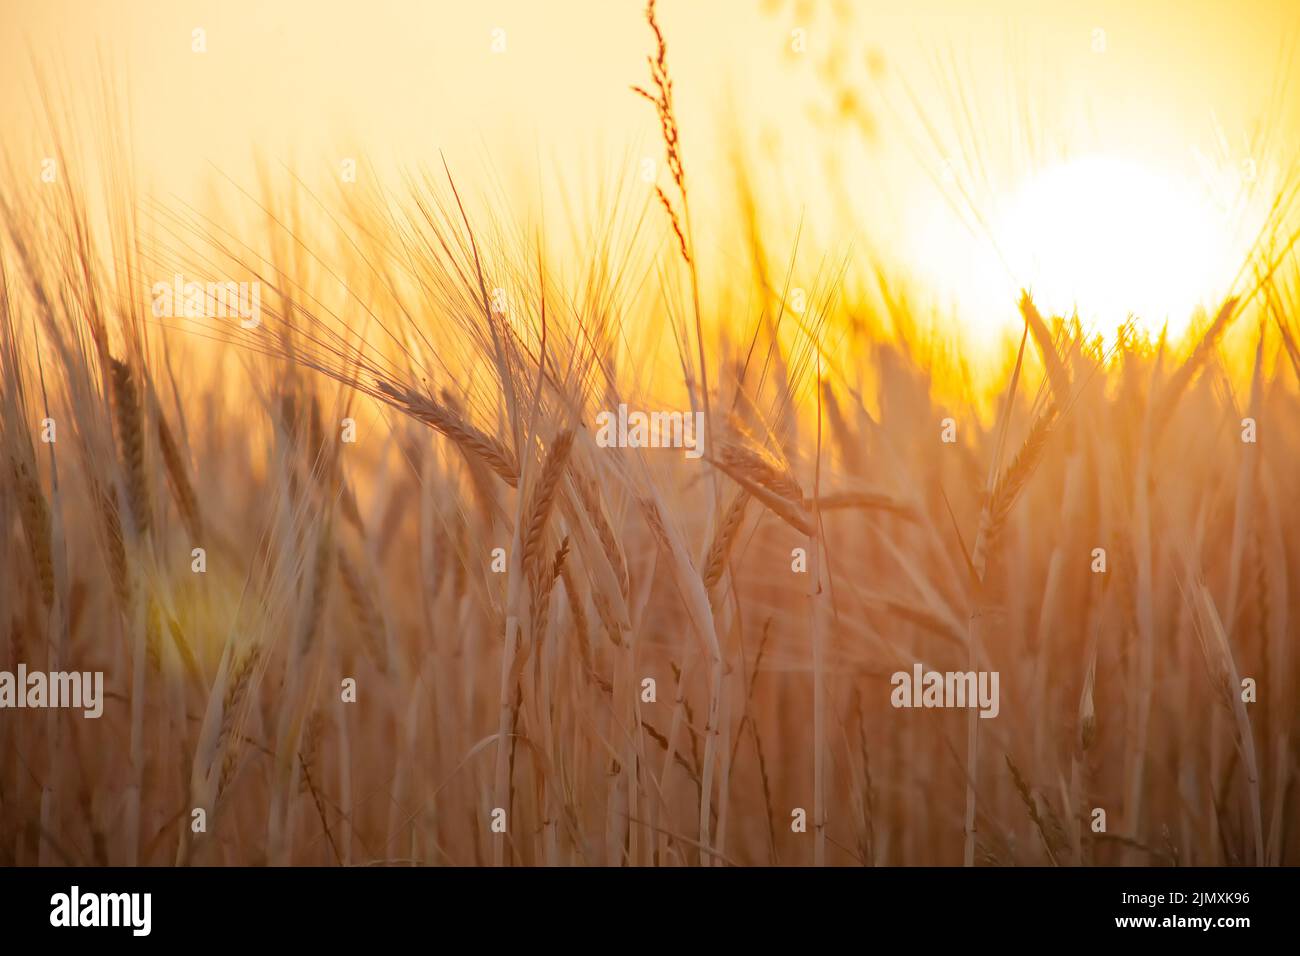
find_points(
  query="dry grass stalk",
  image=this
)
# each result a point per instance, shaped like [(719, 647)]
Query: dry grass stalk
[(1057, 373), (790, 511), (115, 546), (590, 497), (364, 608), (1011, 482), (35, 514), (130, 431), (662, 100), (187, 501), (228, 742), (715, 560), (471, 440), (1227, 684), (542, 500), (760, 469)]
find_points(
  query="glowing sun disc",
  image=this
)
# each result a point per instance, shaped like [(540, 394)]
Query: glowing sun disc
[(1111, 238)]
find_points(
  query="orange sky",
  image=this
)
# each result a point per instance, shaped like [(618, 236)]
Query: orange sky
[(306, 82)]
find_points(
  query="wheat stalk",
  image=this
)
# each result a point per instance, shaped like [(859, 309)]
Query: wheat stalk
[(130, 430), (471, 440)]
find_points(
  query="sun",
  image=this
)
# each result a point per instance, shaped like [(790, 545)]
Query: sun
[(1111, 238)]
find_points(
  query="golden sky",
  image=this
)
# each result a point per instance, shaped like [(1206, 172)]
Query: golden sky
[(910, 115)]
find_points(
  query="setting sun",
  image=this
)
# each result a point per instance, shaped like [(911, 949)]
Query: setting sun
[(1109, 238)]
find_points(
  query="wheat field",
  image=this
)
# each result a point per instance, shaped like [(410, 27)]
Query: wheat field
[(368, 586)]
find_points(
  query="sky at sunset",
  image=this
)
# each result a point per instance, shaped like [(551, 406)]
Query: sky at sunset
[(948, 133)]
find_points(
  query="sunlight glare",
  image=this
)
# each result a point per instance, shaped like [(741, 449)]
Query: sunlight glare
[(1111, 238)]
